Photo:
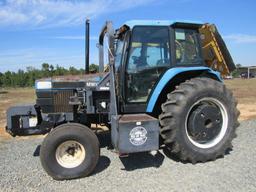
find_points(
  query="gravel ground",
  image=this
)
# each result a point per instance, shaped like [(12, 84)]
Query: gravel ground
[(20, 170)]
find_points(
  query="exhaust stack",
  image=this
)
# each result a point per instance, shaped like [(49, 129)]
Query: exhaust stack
[(87, 45)]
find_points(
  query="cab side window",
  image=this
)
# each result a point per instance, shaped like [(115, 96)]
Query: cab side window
[(187, 47)]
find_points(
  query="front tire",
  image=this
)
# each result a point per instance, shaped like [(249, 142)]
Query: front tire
[(198, 120), (69, 151)]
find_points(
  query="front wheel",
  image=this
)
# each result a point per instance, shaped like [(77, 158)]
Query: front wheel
[(199, 119), (69, 151)]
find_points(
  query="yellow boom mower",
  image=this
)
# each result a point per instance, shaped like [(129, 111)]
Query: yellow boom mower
[(215, 52)]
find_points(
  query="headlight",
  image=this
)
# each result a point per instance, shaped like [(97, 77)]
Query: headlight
[(43, 84)]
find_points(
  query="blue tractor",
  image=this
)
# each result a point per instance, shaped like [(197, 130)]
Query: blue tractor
[(162, 87)]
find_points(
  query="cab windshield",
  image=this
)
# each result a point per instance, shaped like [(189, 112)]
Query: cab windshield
[(148, 58)]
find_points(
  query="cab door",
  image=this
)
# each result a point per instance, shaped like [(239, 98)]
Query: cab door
[(148, 57)]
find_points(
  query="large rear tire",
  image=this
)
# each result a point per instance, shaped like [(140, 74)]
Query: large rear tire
[(198, 120), (69, 151)]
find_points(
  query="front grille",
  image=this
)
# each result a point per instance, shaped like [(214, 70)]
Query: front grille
[(61, 101)]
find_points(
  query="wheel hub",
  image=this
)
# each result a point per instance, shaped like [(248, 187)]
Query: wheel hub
[(205, 123), (71, 151), (70, 154)]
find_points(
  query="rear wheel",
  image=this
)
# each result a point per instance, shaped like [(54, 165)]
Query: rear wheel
[(199, 119), (69, 151)]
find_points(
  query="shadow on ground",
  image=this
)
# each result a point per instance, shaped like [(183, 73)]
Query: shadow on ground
[(102, 164), (37, 151), (142, 160)]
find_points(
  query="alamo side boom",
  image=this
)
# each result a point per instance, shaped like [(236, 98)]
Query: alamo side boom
[(163, 87)]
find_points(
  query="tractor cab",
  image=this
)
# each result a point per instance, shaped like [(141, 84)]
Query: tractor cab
[(145, 50)]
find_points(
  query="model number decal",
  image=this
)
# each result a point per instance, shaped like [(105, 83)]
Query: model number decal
[(91, 84)]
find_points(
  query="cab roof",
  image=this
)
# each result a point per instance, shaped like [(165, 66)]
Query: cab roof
[(193, 24)]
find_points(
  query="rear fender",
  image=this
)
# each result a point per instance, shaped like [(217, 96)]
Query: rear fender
[(169, 75)]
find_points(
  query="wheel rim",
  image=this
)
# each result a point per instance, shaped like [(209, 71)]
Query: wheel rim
[(70, 154), (213, 126)]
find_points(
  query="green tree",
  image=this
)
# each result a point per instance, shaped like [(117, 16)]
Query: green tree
[(1, 79), (238, 65), (45, 66), (27, 78), (235, 73), (93, 68)]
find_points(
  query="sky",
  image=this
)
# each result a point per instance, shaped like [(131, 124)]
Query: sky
[(36, 31)]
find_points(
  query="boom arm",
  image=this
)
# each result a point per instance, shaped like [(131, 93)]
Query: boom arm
[(215, 52)]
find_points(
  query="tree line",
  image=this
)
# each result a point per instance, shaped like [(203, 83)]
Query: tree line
[(26, 78)]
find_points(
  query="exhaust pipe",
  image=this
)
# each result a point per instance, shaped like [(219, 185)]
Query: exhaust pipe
[(87, 45)]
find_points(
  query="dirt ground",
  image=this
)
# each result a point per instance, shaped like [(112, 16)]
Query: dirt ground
[(244, 90)]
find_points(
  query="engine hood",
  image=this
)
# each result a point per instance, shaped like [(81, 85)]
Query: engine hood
[(72, 81)]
